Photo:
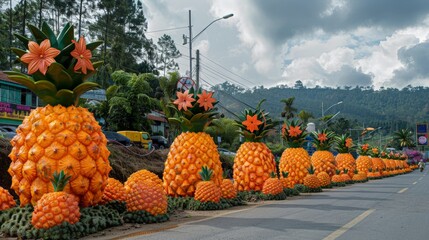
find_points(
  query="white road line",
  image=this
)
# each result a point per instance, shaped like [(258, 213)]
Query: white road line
[(414, 183), (349, 225), (403, 190), (420, 178)]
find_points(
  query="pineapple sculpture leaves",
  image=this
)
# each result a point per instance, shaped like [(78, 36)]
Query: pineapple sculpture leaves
[(193, 148), (59, 136), (254, 161), (295, 159)]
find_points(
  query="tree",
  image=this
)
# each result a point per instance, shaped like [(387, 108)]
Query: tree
[(404, 137), (288, 110), (167, 52), (128, 102), (299, 84), (227, 130), (305, 116)]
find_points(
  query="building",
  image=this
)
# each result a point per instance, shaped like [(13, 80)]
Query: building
[(16, 101), (160, 123)]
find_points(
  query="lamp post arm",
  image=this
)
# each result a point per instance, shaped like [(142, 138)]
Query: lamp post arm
[(198, 34)]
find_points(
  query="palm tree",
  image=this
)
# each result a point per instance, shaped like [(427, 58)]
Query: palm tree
[(305, 115), (288, 111), (404, 137)]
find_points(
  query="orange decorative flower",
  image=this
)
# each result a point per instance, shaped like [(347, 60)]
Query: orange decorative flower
[(349, 142), (252, 123), (365, 147), (206, 100), (375, 150), (322, 137), (294, 131), (40, 57), (82, 55), (184, 100)]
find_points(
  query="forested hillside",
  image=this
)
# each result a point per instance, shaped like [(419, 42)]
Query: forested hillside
[(388, 108)]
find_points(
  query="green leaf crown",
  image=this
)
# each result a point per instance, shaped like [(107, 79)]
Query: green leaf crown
[(61, 84), (195, 118), (323, 144), (341, 144), (293, 139), (263, 128)]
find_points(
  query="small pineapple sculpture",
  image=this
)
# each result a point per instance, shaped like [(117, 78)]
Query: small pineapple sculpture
[(295, 159), (114, 191), (346, 177), (227, 187), (364, 162), (254, 161), (344, 159), (207, 190), (311, 181), (272, 186), (59, 136), (325, 179), (56, 207), (337, 180), (146, 195), (359, 177), (287, 182), (377, 163), (193, 148), (322, 159), (6, 200)]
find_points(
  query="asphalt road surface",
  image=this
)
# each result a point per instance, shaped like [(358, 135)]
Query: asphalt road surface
[(390, 208)]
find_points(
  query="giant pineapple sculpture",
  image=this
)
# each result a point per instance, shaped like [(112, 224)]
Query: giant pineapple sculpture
[(295, 159), (254, 161), (193, 148), (364, 162), (344, 159), (59, 136), (322, 159)]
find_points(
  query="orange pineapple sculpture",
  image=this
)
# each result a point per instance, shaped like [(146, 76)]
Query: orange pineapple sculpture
[(345, 176), (254, 161), (344, 159), (59, 136), (273, 185), (227, 187), (364, 162), (142, 175), (207, 190), (287, 183), (311, 180), (324, 178), (295, 159), (322, 159), (337, 179), (6, 200), (114, 190), (56, 207), (146, 195), (377, 163), (193, 148)]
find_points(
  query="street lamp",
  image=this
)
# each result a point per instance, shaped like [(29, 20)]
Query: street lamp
[(323, 111), (191, 39)]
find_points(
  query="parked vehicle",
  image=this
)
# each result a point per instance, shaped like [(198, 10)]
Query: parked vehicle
[(141, 139), (114, 137), (7, 128), (159, 142), (7, 135), (226, 152)]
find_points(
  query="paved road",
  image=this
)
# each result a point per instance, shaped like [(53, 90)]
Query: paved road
[(391, 208)]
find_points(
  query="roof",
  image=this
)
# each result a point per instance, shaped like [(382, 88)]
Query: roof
[(156, 118), (4, 77)]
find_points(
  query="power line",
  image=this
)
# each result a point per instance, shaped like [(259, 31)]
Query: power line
[(233, 73), (167, 29)]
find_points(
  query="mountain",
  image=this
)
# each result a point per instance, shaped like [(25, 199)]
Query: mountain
[(387, 108)]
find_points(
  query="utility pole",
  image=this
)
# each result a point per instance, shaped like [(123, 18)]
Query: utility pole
[(10, 34), (197, 82), (190, 45)]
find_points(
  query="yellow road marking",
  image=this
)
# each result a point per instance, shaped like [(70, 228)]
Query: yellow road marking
[(349, 225), (403, 190)]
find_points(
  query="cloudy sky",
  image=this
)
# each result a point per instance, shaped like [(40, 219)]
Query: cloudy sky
[(332, 43)]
